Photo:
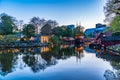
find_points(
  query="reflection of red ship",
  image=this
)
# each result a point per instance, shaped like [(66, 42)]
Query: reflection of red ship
[(79, 49), (79, 39)]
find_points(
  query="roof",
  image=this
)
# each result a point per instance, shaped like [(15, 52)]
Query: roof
[(46, 30)]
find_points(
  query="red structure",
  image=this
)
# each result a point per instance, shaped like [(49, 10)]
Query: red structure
[(104, 40)]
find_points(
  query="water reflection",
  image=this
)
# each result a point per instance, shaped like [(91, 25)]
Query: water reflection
[(115, 63), (35, 58), (39, 59)]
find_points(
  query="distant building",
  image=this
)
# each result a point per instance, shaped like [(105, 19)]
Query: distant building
[(99, 29), (100, 25), (89, 32), (94, 32), (46, 32), (71, 27)]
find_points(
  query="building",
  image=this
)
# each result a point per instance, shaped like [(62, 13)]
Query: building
[(94, 32), (44, 38), (99, 29), (46, 32), (99, 25), (72, 27), (89, 32)]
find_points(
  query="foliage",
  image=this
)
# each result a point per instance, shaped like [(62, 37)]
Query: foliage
[(39, 23), (6, 61), (7, 24), (29, 30), (116, 24), (112, 7), (6, 39), (89, 36), (54, 40), (112, 11), (56, 31), (69, 32), (116, 34), (78, 30), (63, 31)]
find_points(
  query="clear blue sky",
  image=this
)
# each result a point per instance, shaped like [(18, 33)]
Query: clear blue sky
[(88, 12)]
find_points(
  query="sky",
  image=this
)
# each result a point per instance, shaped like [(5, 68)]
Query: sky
[(65, 12)]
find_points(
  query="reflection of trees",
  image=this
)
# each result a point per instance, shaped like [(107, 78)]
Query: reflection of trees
[(114, 60), (55, 51), (115, 63), (7, 62), (39, 62), (67, 52), (62, 52), (33, 58), (35, 62), (110, 75)]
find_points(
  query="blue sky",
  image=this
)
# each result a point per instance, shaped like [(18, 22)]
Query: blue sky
[(88, 12)]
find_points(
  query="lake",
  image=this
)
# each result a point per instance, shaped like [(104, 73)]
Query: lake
[(65, 62)]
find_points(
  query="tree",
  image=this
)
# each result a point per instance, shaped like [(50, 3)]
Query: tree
[(52, 23), (29, 30), (116, 34), (39, 23), (112, 12), (7, 24), (116, 24), (69, 32), (112, 9), (79, 30), (63, 31), (54, 40), (56, 31)]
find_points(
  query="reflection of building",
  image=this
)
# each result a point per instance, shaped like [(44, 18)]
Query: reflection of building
[(64, 46), (79, 52), (79, 49), (45, 49)]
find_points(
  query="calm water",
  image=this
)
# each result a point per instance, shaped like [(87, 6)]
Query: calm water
[(57, 63)]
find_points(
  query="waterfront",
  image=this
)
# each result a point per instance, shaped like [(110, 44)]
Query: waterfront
[(57, 63)]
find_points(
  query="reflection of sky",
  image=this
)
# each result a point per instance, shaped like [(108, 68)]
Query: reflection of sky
[(89, 67)]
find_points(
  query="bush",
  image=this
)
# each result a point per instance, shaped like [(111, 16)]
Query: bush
[(116, 34)]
